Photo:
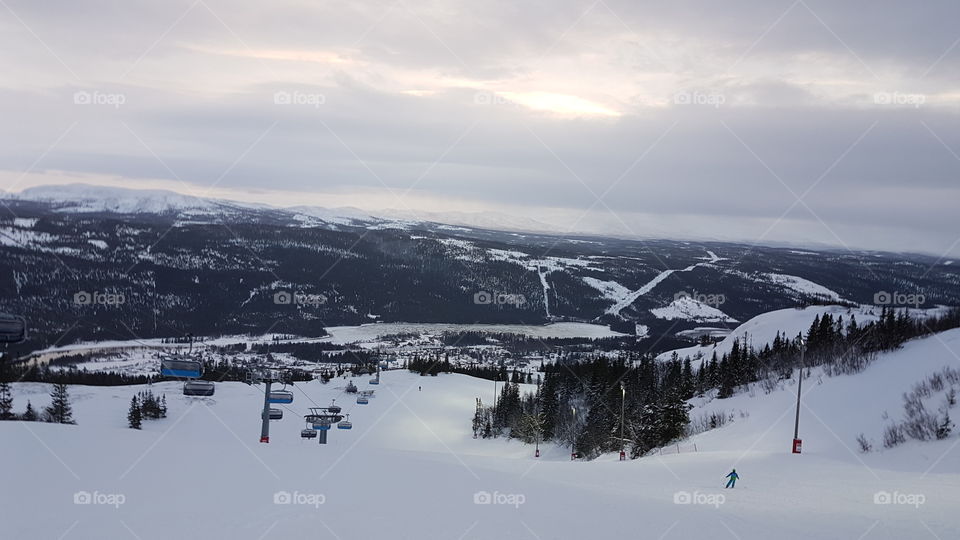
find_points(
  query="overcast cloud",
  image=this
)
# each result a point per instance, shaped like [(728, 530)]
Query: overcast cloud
[(813, 122)]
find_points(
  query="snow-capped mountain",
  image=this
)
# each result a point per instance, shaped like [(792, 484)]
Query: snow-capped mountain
[(84, 198)]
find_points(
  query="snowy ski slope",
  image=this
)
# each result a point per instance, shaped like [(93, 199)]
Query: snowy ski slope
[(410, 468)]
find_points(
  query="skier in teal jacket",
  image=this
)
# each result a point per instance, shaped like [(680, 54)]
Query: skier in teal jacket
[(733, 479)]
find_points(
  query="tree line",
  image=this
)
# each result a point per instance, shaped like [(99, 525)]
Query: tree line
[(597, 404)]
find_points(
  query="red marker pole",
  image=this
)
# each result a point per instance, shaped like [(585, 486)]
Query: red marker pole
[(797, 443)]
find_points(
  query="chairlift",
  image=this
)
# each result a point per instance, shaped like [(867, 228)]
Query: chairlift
[(351, 388), (345, 424), (13, 329), (308, 433), (334, 408), (280, 396), (276, 414), (181, 368), (198, 388), (362, 400)]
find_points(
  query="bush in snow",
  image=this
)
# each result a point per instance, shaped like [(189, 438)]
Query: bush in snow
[(919, 423), (893, 436), (708, 421), (945, 427), (865, 444)]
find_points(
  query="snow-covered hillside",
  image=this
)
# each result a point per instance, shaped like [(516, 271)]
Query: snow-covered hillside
[(762, 329), (410, 468)]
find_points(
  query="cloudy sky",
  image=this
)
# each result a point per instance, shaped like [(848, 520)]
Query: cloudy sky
[(808, 121)]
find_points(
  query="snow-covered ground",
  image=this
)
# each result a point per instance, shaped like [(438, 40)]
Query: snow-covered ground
[(370, 332), (410, 468), (630, 298), (342, 335), (691, 309), (803, 286)]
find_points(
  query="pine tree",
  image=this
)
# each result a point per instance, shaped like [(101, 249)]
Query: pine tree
[(478, 419), (6, 402), (30, 415), (134, 415), (727, 382), (688, 382), (59, 410)]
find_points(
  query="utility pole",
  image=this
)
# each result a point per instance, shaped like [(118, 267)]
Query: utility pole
[(573, 445), (265, 417), (539, 427), (623, 405), (797, 443)]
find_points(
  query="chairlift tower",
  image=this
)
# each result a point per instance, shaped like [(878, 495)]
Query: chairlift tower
[(270, 396), (321, 419)]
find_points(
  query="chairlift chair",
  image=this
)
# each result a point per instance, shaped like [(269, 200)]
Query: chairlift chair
[(198, 388), (181, 368), (345, 424), (308, 433), (280, 396), (362, 400), (13, 329), (276, 414), (334, 408), (351, 388)]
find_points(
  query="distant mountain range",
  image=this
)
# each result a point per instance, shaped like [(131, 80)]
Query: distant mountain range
[(84, 262), (84, 198)]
